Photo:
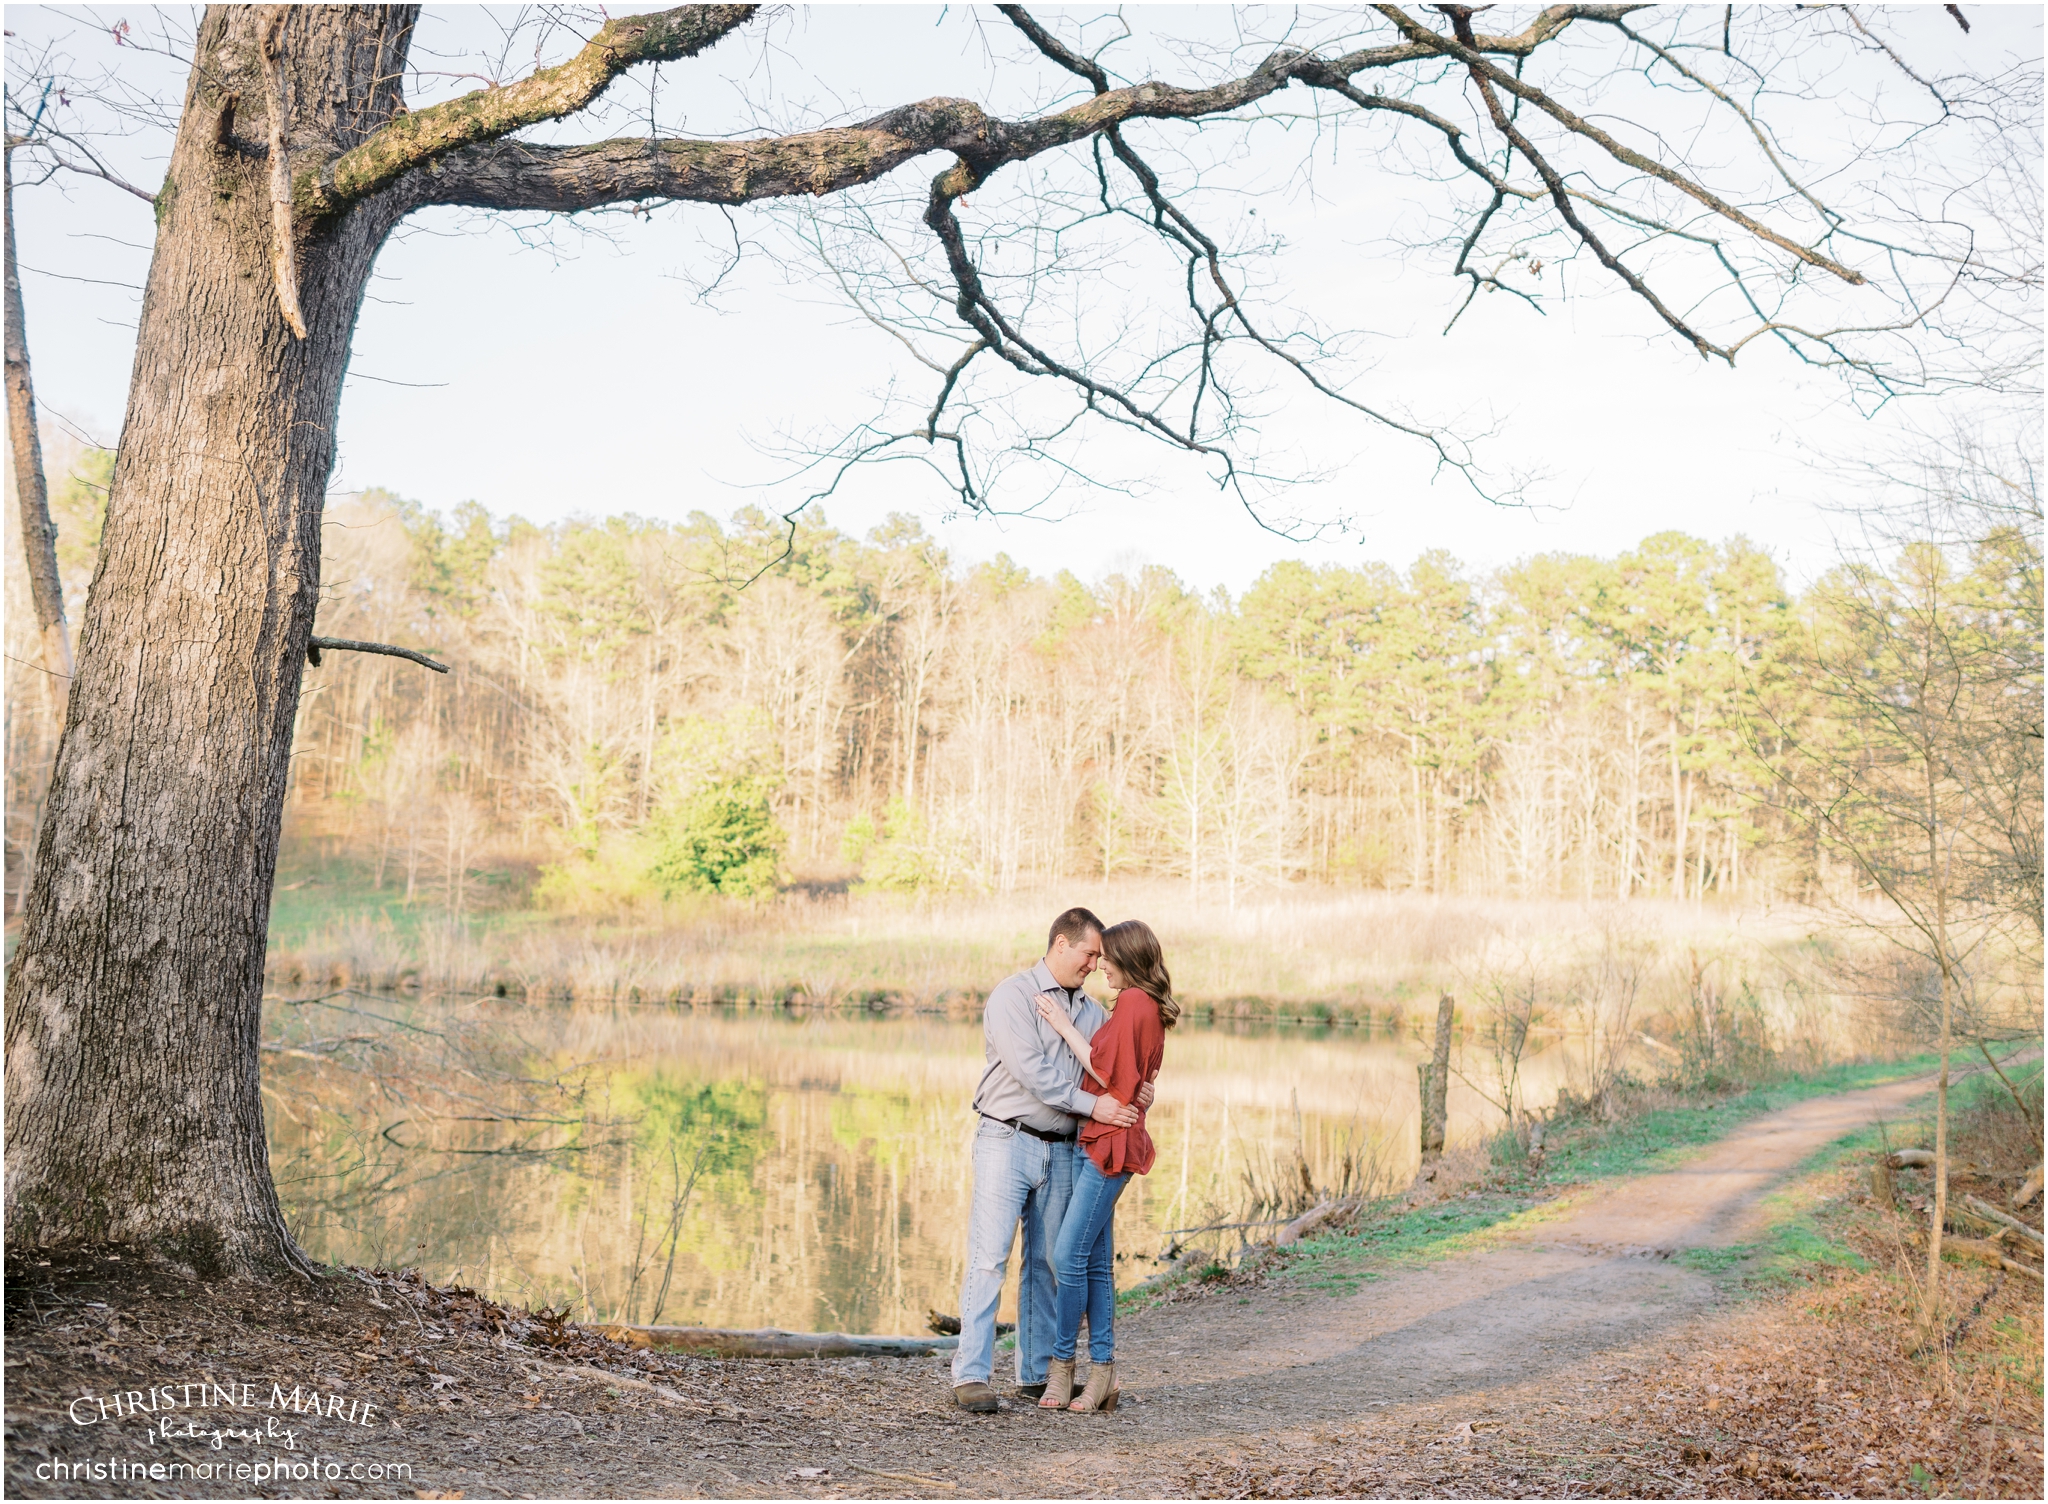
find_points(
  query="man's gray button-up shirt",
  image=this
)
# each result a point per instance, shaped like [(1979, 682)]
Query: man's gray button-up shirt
[(1032, 1076)]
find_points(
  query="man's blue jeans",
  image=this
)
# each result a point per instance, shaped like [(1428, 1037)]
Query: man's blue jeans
[(1015, 1176), (1084, 1262)]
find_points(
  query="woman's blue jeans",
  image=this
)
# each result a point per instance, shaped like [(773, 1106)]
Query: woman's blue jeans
[(1084, 1262)]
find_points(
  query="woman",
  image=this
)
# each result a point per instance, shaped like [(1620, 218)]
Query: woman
[(1125, 1051)]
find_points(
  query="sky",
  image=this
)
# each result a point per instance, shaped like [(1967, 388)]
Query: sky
[(553, 373)]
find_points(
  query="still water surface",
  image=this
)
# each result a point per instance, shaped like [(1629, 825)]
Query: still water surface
[(767, 1169)]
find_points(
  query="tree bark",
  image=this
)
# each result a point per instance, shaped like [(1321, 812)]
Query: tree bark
[(134, 1002), (38, 535)]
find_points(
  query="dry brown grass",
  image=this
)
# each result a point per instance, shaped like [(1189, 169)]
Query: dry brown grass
[(1315, 955)]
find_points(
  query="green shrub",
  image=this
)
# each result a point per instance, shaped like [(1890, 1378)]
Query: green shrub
[(608, 877), (722, 838)]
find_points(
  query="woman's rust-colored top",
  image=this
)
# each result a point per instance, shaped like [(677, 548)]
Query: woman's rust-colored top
[(1125, 1051)]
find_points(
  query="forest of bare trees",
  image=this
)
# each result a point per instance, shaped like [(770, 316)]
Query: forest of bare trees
[(1568, 726)]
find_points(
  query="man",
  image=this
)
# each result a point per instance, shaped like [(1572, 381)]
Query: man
[(1030, 1100)]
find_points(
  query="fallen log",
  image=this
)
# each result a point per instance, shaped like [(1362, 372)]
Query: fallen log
[(1310, 1220), (719, 1342), (1992, 1214), (2029, 1189), (1984, 1251)]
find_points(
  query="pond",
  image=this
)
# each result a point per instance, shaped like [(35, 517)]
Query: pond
[(768, 1168)]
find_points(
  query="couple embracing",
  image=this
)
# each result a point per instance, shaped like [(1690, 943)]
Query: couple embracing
[(1062, 1131)]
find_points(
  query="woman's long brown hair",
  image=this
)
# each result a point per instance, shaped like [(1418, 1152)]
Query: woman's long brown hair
[(1134, 950)]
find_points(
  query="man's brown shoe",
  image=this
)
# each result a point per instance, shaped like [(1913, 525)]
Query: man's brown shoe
[(1031, 1392), (978, 1398)]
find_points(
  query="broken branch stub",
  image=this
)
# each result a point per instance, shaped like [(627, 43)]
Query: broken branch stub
[(316, 645)]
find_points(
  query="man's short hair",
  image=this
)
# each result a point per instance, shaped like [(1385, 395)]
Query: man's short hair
[(1076, 925)]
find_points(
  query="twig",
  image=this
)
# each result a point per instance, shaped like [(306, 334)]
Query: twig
[(659, 1391), (1992, 1061), (381, 1018), (281, 1047), (875, 1472), (1225, 1226), (675, 1222)]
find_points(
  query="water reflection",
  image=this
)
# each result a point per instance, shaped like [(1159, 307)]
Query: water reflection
[(762, 1168)]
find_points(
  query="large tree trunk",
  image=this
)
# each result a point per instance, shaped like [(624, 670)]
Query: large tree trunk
[(135, 999)]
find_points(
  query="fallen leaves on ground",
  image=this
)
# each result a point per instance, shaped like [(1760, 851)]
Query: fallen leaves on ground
[(1807, 1393)]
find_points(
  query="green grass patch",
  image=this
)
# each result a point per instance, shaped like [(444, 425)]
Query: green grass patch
[(1799, 1246), (1585, 1154), (1713, 1261), (2016, 1354), (1342, 1262), (1806, 1225), (1452, 1226), (1661, 1138)]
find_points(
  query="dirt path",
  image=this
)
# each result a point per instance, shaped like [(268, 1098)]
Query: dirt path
[(1597, 1278), (1439, 1380)]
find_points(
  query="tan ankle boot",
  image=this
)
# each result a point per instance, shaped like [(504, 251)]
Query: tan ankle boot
[(1059, 1384), (1101, 1393)]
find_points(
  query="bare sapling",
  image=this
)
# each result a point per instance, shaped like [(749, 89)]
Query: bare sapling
[(38, 533), (1603, 998), (1511, 994)]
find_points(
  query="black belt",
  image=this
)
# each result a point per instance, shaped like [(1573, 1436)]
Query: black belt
[(1023, 1127)]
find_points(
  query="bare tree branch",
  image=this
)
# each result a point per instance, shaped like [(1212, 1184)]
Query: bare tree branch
[(1055, 49), (1482, 76), (419, 138), (91, 167), (1468, 53), (563, 179)]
